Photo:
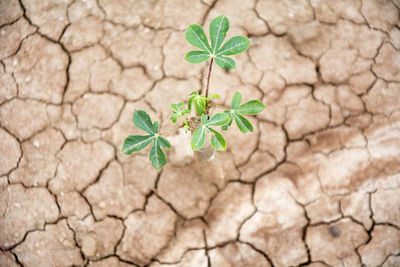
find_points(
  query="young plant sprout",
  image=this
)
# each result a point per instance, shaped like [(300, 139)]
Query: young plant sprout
[(203, 124)]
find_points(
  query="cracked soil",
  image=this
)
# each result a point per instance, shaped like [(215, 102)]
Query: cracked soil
[(316, 184)]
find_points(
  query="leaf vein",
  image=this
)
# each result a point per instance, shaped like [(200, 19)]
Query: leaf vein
[(220, 52), (219, 30)]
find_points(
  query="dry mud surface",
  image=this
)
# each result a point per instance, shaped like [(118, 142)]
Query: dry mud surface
[(316, 184)]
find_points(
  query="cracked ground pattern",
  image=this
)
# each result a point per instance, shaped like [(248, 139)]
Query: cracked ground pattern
[(316, 184)]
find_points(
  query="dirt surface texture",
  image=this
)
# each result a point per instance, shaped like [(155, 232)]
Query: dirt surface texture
[(316, 184)]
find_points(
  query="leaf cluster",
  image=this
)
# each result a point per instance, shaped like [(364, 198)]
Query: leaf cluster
[(199, 102), (177, 111), (225, 120)]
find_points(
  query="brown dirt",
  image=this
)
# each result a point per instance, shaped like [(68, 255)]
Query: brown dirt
[(316, 184)]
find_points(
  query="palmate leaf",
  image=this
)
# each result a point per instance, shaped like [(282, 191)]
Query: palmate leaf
[(135, 143), (252, 107), (218, 141), (218, 28)]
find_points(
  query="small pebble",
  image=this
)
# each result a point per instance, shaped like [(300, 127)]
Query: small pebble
[(334, 231), (36, 143)]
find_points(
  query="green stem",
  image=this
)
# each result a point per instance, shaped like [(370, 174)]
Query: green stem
[(209, 74)]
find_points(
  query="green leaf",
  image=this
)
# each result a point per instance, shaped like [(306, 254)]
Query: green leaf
[(155, 127), (198, 138), (234, 46), (195, 36), (218, 28), (204, 119), (252, 107), (191, 97), (199, 102), (142, 120), (236, 99), (229, 123), (197, 56), (157, 156), (242, 123), (164, 142), (225, 62), (218, 119), (135, 143), (218, 141)]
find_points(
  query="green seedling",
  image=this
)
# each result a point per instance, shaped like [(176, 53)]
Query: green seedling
[(203, 124)]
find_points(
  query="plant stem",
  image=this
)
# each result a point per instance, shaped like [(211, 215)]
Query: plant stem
[(209, 74)]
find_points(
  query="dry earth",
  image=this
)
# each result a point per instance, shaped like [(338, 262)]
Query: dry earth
[(316, 184)]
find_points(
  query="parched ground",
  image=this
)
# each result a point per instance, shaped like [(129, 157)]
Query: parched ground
[(316, 184)]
